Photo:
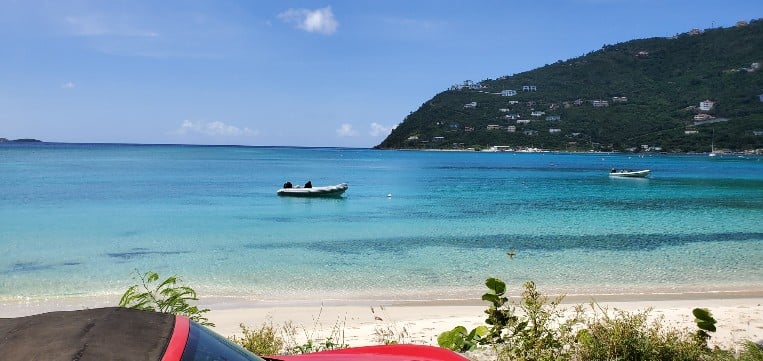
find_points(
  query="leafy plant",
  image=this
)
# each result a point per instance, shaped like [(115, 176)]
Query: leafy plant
[(461, 340), (500, 312), (706, 323), (528, 330), (167, 297), (500, 315), (539, 331)]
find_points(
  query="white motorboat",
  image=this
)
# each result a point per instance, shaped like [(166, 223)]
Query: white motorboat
[(629, 173), (325, 191)]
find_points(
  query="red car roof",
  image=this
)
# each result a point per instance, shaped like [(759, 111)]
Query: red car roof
[(379, 353)]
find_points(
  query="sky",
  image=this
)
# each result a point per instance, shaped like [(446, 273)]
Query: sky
[(333, 73)]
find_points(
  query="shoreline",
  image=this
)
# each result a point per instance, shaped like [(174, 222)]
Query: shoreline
[(360, 322), (22, 306)]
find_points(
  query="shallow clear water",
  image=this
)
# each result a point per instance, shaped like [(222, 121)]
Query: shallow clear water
[(79, 219)]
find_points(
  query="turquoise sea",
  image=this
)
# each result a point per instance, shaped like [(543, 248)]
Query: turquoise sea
[(79, 219)]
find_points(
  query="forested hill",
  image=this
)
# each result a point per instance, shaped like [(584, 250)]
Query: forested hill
[(679, 94)]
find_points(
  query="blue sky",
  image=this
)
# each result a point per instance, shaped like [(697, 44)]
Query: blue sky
[(291, 73)]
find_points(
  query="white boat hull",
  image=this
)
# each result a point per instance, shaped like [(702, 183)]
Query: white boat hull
[(327, 191), (630, 173)]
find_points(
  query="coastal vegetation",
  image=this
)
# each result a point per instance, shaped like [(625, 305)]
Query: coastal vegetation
[(166, 296), (535, 328), (530, 328), (687, 93)]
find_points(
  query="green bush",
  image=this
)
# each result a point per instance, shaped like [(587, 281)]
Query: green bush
[(705, 322), (289, 339), (534, 328), (460, 339), (261, 341), (526, 330), (629, 336), (751, 352)]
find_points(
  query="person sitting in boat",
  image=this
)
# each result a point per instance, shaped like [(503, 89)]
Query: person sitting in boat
[(287, 185), (613, 170), (309, 184)]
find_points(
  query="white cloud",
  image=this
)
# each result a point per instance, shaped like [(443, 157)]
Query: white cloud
[(68, 85), (313, 21), (215, 128), (345, 130), (378, 129)]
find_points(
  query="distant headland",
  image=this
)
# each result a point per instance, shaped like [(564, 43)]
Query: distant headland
[(23, 140)]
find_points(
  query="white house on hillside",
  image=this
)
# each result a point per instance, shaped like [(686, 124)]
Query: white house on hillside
[(706, 105)]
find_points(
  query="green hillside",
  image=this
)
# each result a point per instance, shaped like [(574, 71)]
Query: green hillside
[(648, 92)]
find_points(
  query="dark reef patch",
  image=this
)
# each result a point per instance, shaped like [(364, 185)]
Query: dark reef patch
[(140, 252)]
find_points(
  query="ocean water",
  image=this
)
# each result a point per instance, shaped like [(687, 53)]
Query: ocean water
[(78, 220)]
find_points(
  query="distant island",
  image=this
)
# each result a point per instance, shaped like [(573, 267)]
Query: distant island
[(23, 140), (698, 91)]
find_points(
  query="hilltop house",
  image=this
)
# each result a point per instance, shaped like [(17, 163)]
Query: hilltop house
[(531, 88), (467, 84), (600, 103), (470, 105), (706, 105), (508, 93)]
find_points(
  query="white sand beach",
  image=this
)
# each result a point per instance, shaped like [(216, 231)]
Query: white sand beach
[(738, 319)]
